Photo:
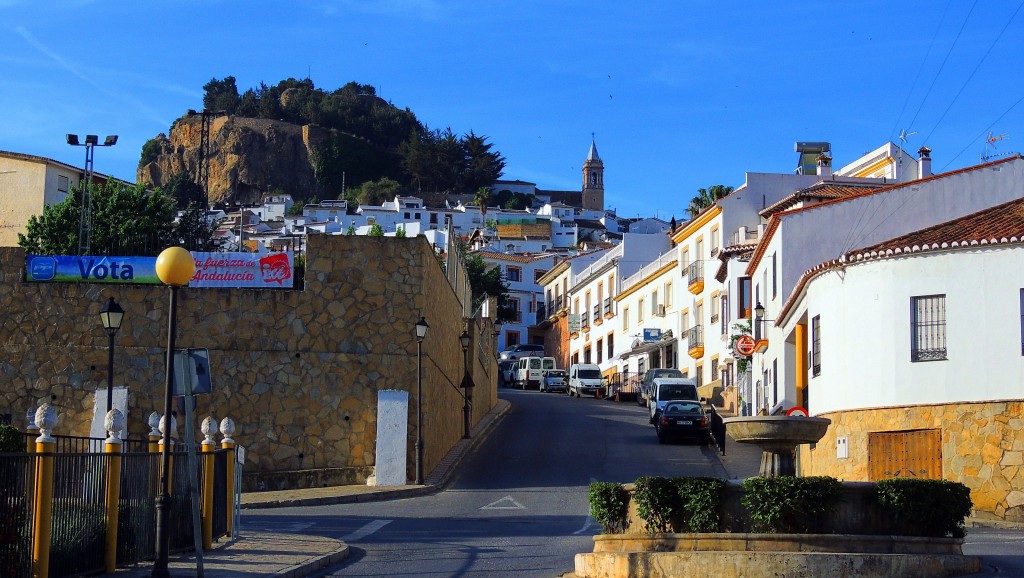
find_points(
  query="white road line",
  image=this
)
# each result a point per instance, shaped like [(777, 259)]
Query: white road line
[(512, 504), (365, 531)]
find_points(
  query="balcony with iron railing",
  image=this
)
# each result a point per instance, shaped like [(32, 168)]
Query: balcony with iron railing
[(695, 341), (695, 277), (598, 319), (542, 312), (608, 307), (584, 320)]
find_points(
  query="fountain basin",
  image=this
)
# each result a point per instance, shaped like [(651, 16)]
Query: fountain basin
[(777, 436)]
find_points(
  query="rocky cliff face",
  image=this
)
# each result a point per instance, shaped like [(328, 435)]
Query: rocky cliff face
[(247, 157)]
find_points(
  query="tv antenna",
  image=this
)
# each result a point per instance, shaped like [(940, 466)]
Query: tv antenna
[(904, 135), (990, 145)]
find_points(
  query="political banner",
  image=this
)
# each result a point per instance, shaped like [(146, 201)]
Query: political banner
[(268, 270), (243, 270)]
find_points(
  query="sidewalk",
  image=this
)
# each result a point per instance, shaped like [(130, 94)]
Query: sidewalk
[(261, 554)]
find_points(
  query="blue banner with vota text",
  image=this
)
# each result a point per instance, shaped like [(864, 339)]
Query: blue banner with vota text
[(91, 269)]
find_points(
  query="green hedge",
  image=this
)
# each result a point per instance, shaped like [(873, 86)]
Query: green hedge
[(786, 504), (934, 508), (609, 505)]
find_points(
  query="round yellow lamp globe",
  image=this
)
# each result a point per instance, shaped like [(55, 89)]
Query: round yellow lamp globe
[(175, 266)]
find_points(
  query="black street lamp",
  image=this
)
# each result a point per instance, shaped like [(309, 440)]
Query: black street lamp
[(111, 315), (174, 267), (421, 332), (85, 220), (466, 383), (758, 319)]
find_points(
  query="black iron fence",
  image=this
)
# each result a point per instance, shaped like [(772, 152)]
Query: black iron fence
[(625, 383), (16, 492), (718, 429), (78, 520)]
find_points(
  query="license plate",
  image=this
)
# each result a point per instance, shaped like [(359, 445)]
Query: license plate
[(685, 422)]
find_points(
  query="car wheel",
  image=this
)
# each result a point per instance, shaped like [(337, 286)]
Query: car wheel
[(661, 437)]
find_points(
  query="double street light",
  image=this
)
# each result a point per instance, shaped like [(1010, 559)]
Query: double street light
[(111, 316), (85, 220), (421, 332)]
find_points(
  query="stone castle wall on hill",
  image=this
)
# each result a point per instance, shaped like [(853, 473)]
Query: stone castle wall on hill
[(298, 370)]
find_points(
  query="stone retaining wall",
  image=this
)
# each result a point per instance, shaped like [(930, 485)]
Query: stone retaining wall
[(298, 370), (982, 448)]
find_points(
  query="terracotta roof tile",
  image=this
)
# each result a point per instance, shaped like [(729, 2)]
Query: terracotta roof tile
[(821, 191)]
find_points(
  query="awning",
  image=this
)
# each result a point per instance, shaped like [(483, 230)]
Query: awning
[(647, 347)]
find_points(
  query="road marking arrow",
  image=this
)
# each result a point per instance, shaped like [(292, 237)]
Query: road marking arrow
[(506, 503)]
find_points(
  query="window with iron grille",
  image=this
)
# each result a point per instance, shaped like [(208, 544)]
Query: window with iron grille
[(611, 345), (928, 328), (816, 345)]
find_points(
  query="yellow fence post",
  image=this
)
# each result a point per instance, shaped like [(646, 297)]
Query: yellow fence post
[(209, 428), (154, 433), (46, 419), (227, 427), (170, 450), (31, 429), (114, 423)]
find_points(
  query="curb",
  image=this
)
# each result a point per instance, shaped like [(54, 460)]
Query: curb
[(318, 563), (501, 409)]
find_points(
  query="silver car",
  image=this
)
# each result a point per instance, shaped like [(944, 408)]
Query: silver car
[(554, 380)]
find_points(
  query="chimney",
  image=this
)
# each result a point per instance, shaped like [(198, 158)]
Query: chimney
[(924, 162), (824, 165)]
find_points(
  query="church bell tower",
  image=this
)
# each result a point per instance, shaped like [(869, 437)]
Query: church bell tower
[(593, 180)]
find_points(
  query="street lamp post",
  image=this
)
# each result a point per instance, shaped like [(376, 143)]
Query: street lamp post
[(85, 219), (466, 383), (421, 332), (111, 315), (174, 267)]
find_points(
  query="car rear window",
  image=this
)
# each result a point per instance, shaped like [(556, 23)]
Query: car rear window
[(683, 408), (670, 391)]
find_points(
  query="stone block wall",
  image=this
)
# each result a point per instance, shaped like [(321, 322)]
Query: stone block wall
[(298, 370), (982, 447)]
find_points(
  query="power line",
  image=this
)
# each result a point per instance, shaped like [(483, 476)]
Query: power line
[(917, 77), (973, 72), (985, 130)]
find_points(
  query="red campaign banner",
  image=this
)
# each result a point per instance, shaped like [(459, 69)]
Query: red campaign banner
[(261, 270)]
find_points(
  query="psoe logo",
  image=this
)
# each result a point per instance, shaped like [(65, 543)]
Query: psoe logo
[(275, 268)]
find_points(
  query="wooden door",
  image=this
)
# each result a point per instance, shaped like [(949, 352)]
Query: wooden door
[(905, 454)]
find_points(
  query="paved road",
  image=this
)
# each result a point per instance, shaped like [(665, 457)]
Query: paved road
[(519, 506)]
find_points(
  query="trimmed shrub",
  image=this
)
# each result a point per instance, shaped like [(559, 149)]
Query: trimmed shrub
[(790, 505), (700, 503), (932, 508), (609, 505), (656, 502), (11, 439)]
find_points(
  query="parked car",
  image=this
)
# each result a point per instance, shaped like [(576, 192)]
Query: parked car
[(521, 350), (554, 380), (584, 379), (666, 389), (643, 397), (507, 372), (683, 419)]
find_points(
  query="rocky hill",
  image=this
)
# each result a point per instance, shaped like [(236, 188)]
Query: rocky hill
[(248, 157)]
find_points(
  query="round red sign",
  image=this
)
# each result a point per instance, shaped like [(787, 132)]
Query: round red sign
[(745, 345)]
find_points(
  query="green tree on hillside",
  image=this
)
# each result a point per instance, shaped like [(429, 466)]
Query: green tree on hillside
[(221, 95), (376, 192)]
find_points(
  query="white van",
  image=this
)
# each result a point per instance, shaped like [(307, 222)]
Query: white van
[(530, 371), (666, 389), (584, 379)]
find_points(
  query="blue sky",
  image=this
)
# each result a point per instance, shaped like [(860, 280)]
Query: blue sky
[(680, 95)]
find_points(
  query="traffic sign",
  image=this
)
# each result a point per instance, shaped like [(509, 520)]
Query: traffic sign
[(191, 372), (745, 345)]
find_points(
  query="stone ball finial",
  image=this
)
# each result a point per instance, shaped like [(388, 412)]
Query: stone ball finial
[(227, 427), (209, 428), (154, 424), (114, 422), (174, 426), (46, 420), (30, 418)]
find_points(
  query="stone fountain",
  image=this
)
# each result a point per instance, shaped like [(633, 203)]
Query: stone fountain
[(777, 436)]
